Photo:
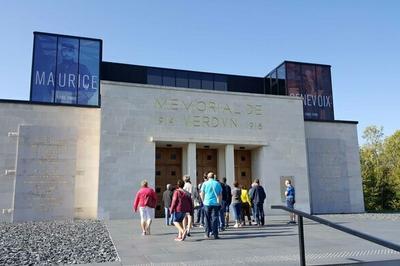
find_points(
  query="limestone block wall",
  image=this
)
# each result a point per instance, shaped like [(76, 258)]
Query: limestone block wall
[(135, 117), (87, 123), (334, 167)]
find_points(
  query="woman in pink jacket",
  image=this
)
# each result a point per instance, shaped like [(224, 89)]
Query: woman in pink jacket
[(146, 200)]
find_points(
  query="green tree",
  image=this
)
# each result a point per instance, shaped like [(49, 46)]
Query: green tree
[(392, 159), (380, 169)]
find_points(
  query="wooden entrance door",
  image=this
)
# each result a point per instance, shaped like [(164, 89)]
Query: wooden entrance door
[(243, 167), (206, 161), (168, 171)]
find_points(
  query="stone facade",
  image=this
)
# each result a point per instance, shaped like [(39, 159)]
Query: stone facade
[(135, 118), (115, 146)]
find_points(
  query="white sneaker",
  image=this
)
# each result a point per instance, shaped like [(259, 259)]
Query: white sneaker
[(236, 226)]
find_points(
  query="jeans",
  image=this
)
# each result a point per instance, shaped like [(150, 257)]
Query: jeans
[(200, 215), (236, 211), (222, 215), (259, 213), (212, 216), (168, 216)]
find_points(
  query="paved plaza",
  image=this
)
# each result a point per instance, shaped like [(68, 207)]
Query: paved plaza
[(274, 244)]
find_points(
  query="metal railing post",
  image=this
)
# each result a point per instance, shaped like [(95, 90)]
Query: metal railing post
[(301, 241)]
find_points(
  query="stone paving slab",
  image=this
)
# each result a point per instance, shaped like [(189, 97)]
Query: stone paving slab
[(274, 244)]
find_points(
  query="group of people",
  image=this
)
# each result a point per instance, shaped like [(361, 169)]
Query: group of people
[(211, 200)]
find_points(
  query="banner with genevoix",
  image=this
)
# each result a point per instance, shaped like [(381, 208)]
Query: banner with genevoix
[(313, 84), (65, 69)]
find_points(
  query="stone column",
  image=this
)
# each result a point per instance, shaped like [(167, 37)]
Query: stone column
[(191, 162), (229, 164), (221, 163)]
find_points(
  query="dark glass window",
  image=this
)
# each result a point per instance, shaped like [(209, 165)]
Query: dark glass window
[(194, 80), (281, 71), (154, 76), (168, 77), (268, 84), (243, 174), (274, 83), (173, 173), (158, 173), (173, 156), (220, 83), (207, 81), (158, 156), (182, 79), (209, 157)]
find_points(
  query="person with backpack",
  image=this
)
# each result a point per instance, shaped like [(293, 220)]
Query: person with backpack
[(257, 197), (145, 201), (181, 205)]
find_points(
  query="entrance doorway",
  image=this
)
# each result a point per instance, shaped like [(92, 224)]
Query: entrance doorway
[(168, 171), (206, 160), (243, 167)]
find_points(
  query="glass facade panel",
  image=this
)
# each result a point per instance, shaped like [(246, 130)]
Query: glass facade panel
[(268, 84), (293, 81), (44, 68), (324, 85), (67, 70), (309, 91), (89, 76), (281, 72), (194, 80), (168, 77), (154, 76), (274, 83), (182, 79), (207, 81), (220, 83)]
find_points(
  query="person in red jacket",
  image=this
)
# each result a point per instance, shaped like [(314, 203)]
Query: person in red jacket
[(181, 205), (146, 200)]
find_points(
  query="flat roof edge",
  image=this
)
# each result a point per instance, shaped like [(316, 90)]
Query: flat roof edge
[(332, 121), (47, 104)]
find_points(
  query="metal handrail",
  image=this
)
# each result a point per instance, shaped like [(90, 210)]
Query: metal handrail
[(347, 230)]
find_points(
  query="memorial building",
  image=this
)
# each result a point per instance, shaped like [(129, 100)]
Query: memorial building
[(92, 130)]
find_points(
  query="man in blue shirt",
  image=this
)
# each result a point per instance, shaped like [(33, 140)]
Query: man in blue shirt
[(211, 195), (290, 200)]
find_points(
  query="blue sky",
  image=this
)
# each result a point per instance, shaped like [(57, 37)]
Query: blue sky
[(359, 39)]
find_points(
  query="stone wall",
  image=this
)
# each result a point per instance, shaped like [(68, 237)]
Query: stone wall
[(84, 121), (334, 167)]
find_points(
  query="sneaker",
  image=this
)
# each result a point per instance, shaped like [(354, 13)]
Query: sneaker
[(201, 226), (236, 226), (143, 233), (206, 236), (188, 234), (178, 239)]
